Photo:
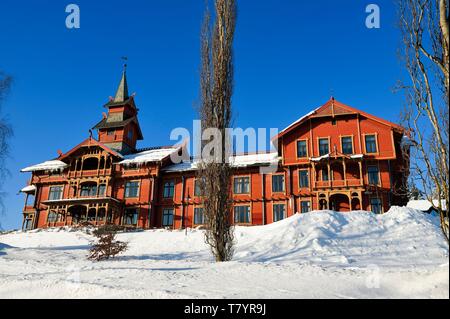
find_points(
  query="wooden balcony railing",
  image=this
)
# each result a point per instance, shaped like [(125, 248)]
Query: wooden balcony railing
[(89, 173), (338, 183)]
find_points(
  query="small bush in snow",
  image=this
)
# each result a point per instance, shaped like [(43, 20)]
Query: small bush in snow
[(106, 246)]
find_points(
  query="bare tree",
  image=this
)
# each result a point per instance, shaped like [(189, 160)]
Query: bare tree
[(425, 31), (5, 133), (216, 81)]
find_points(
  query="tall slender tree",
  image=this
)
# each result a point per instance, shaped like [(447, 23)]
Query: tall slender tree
[(425, 29), (216, 82), (5, 133)]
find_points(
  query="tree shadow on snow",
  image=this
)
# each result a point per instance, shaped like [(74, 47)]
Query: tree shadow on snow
[(174, 256), (3, 247), (79, 247)]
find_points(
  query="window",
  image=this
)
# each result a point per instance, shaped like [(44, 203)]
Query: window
[(167, 219), (242, 214), (371, 144), (55, 193), (347, 145), (198, 191), (375, 205), (169, 189), (88, 190), (302, 150), (199, 216), (52, 217), (101, 189), (130, 134), (333, 122), (241, 185), (372, 172), (305, 206), (131, 189), (110, 132), (303, 176), (131, 216), (279, 212), (277, 183), (324, 147), (325, 176)]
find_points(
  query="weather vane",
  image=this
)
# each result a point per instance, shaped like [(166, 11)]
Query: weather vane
[(125, 59)]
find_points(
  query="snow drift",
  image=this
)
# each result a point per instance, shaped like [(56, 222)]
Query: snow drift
[(325, 253)]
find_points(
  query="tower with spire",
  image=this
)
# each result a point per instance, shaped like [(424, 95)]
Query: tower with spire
[(119, 129)]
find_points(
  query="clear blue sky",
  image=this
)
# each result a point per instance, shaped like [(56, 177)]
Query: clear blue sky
[(290, 56)]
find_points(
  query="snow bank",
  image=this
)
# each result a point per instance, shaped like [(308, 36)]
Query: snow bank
[(400, 237), (322, 254)]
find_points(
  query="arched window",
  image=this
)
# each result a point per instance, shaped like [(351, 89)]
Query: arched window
[(91, 215), (90, 163), (101, 214)]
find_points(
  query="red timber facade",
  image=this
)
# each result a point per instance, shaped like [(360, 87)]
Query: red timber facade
[(336, 157)]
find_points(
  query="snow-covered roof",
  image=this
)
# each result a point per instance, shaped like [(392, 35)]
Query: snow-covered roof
[(318, 159), (254, 159), (28, 189), (182, 167), (54, 165), (424, 205), (235, 161), (154, 155), (300, 119)]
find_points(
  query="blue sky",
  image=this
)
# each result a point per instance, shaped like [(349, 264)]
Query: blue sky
[(290, 57)]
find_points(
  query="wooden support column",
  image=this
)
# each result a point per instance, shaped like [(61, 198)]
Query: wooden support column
[(314, 180), (361, 179), (349, 194), (330, 178), (344, 166), (98, 165)]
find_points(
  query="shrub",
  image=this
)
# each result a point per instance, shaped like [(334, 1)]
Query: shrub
[(106, 246)]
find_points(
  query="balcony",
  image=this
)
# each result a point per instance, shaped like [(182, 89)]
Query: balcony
[(90, 173), (338, 183)]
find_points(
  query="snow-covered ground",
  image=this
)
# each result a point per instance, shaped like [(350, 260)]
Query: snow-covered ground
[(401, 254)]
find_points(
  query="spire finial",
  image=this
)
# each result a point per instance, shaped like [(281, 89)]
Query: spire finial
[(124, 59)]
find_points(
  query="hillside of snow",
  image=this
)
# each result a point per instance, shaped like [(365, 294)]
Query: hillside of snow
[(401, 254)]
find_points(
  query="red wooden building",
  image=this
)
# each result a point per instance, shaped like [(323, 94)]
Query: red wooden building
[(336, 157)]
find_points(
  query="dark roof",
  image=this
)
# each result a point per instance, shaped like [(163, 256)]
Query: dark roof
[(114, 103), (103, 124)]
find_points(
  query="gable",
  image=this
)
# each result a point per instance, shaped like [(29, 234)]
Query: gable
[(86, 144), (334, 108)]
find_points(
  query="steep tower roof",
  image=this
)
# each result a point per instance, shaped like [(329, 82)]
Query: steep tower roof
[(122, 90), (119, 129)]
